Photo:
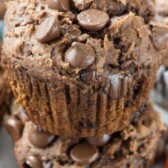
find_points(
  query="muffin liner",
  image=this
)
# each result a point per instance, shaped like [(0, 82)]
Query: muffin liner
[(74, 110)]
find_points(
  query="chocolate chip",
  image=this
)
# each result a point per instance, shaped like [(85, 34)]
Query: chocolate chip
[(39, 138), (80, 55), (84, 153), (48, 30), (14, 127), (32, 162), (99, 141), (60, 5), (93, 19)]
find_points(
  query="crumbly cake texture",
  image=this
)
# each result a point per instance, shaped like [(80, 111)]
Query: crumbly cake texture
[(135, 146), (163, 144), (77, 76)]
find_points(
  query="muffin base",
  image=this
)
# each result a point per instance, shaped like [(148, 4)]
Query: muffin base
[(134, 146)]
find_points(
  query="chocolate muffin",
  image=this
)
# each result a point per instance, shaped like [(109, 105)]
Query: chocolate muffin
[(160, 93), (135, 146), (5, 90), (77, 75)]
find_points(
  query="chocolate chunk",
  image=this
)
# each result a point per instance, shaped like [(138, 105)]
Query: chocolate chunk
[(114, 8), (60, 5), (99, 141), (160, 41), (84, 153), (87, 76), (48, 30), (82, 4), (14, 127), (159, 35), (93, 19), (39, 138), (32, 162), (80, 55), (2, 9)]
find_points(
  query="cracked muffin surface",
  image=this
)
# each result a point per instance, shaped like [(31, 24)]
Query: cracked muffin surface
[(67, 66)]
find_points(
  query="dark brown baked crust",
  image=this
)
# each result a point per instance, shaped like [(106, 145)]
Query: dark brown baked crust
[(102, 96), (135, 146)]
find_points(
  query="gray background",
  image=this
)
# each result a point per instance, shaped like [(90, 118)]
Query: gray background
[(6, 153)]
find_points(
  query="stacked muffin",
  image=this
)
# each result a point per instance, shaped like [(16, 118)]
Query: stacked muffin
[(160, 92), (161, 86), (83, 70)]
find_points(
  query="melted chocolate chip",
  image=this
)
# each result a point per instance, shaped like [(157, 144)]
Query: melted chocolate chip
[(14, 127), (99, 141), (32, 162), (80, 55), (39, 138), (60, 5), (48, 30), (93, 19), (84, 153)]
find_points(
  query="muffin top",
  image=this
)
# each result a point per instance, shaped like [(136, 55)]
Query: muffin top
[(78, 40)]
